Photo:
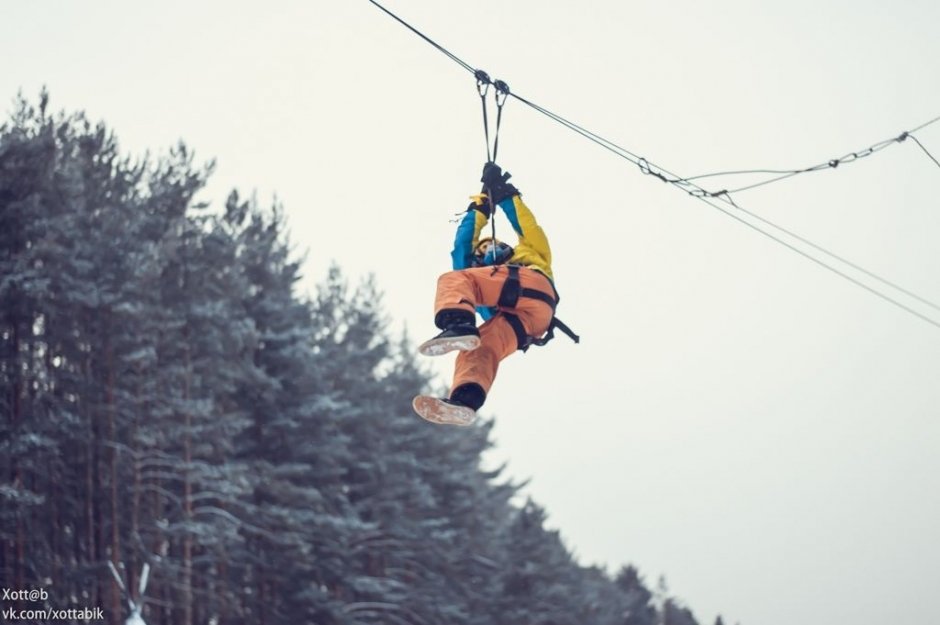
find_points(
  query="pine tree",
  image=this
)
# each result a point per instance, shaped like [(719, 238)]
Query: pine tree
[(167, 397), (293, 445), (676, 614), (639, 609), (538, 578), (69, 266)]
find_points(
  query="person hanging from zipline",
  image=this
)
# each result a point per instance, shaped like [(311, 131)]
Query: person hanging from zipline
[(511, 287)]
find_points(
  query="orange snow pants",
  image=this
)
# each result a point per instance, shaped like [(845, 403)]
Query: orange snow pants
[(466, 289)]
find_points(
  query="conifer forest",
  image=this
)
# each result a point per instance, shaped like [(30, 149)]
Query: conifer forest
[(171, 403)]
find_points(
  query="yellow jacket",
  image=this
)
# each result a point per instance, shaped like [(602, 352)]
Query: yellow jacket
[(532, 249)]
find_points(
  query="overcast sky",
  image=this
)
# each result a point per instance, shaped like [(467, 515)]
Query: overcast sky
[(752, 426)]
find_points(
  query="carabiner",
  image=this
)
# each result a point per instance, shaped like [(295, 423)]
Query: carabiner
[(502, 92), (483, 82)]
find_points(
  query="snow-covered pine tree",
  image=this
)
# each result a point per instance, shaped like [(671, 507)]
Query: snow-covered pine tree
[(166, 397)]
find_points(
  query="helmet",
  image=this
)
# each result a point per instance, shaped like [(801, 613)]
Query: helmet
[(491, 252)]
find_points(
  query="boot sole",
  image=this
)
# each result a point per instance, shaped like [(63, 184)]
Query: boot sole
[(440, 346), (436, 411)]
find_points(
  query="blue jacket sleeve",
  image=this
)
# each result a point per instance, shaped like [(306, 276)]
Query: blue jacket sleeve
[(462, 254), (468, 234)]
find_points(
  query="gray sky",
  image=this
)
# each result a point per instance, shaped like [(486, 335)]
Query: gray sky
[(738, 419)]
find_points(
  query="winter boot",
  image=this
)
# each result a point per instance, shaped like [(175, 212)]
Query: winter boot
[(443, 411), (459, 332), (459, 409)]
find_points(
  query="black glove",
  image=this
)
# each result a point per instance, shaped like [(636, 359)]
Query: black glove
[(483, 208), (497, 183)]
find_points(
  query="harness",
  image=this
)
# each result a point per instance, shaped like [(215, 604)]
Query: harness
[(508, 298)]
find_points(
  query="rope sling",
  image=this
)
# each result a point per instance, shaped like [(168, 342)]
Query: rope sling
[(512, 289), (501, 93)]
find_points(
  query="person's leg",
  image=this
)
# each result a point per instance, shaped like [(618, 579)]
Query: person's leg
[(475, 370), (462, 291), (458, 295)]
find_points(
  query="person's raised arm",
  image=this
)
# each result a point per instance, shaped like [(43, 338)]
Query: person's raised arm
[(468, 232), (533, 247)]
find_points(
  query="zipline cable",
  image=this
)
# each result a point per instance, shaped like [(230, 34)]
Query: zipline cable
[(701, 194), (921, 145), (696, 191), (924, 125), (803, 253), (449, 54), (830, 164)]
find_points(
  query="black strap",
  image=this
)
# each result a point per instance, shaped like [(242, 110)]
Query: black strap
[(508, 298), (561, 325), (483, 86), (502, 92), (512, 290), (523, 340), (539, 295)]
